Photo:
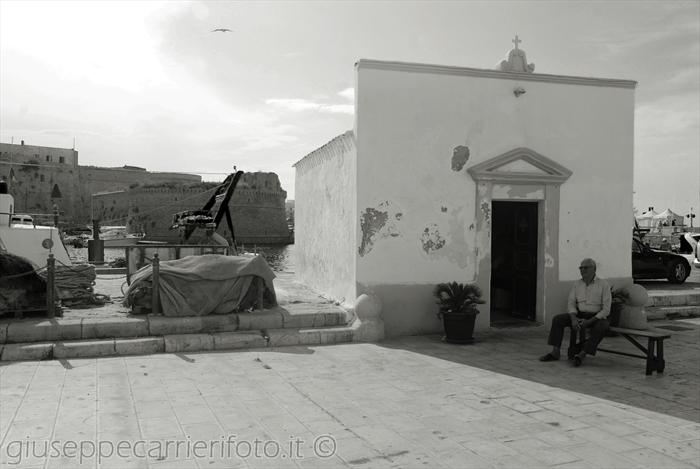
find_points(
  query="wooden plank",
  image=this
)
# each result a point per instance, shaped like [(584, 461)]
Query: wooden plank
[(655, 333)]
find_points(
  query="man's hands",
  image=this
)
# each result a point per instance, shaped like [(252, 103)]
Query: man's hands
[(588, 322), (577, 323)]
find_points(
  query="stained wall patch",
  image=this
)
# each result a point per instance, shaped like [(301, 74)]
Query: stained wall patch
[(371, 222), (431, 239), (460, 155)]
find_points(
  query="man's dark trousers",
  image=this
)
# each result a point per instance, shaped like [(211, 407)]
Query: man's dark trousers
[(595, 335)]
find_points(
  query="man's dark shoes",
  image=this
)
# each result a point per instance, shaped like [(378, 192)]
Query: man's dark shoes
[(549, 358), (578, 359)]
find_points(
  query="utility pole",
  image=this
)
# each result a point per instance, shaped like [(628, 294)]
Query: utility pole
[(690, 215)]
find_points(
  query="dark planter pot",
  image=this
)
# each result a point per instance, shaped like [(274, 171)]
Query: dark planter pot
[(459, 328)]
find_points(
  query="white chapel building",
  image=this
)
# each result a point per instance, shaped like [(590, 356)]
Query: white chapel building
[(504, 178)]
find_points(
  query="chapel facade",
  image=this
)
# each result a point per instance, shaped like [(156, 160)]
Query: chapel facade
[(505, 178)]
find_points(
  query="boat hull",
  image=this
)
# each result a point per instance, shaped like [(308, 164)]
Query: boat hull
[(119, 242)]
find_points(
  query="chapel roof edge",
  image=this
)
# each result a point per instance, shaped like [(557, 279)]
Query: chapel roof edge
[(347, 136), (490, 73)]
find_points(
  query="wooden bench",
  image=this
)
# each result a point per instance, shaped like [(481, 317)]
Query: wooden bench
[(653, 352)]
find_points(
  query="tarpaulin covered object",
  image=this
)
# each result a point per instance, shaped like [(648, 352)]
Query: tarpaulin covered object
[(206, 284)]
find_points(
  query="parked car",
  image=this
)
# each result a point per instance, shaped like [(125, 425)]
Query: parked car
[(650, 263), (689, 243), (77, 231)]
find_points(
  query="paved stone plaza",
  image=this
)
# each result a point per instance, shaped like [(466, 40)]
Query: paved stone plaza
[(413, 402)]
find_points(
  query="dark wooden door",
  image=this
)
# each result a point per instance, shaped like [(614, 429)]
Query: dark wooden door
[(514, 255)]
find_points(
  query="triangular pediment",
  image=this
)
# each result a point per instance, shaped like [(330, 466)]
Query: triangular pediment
[(520, 165)]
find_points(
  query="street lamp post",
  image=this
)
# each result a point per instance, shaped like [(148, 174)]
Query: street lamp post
[(690, 215)]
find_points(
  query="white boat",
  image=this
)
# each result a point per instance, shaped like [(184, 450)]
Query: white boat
[(114, 236), (33, 242)]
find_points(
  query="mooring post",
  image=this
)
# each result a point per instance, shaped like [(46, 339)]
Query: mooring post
[(155, 297), (96, 247), (50, 286)]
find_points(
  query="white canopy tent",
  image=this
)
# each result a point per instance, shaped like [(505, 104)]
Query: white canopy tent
[(668, 218), (646, 220)]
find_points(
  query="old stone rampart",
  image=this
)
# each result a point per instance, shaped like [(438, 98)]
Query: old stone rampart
[(37, 186), (257, 208), (39, 177)]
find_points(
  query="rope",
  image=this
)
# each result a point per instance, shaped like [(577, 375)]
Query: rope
[(74, 285), (80, 268)]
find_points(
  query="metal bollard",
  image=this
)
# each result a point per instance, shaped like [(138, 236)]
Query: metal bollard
[(96, 251), (155, 297), (50, 286)]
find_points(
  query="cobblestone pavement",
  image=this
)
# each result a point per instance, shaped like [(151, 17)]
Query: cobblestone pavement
[(410, 402)]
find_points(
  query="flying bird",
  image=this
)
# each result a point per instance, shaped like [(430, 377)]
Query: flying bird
[(222, 30)]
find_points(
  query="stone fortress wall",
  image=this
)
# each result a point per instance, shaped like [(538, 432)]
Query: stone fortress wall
[(33, 153), (39, 177), (257, 208)]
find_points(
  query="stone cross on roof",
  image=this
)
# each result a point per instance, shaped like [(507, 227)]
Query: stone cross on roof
[(517, 62)]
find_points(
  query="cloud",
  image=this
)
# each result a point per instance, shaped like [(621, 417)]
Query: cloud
[(348, 93), (300, 105), (295, 105), (272, 139), (665, 121), (338, 108), (292, 55)]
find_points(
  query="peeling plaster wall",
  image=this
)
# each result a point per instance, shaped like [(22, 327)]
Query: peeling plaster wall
[(325, 218), (411, 131)]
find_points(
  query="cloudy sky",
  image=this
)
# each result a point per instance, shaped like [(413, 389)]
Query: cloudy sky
[(149, 84)]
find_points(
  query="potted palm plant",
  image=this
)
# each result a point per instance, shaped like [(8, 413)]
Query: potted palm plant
[(458, 309)]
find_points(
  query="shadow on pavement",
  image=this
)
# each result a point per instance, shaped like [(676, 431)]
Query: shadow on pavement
[(515, 351)]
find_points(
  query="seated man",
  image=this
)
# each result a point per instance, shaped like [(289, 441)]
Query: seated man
[(588, 307)]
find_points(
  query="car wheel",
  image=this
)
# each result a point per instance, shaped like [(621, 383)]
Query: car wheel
[(677, 272)]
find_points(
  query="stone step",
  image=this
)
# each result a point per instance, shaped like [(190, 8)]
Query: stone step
[(171, 343), (671, 312), (62, 329), (675, 298)]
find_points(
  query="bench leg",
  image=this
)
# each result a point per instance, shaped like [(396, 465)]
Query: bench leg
[(660, 362), (651, 360)]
